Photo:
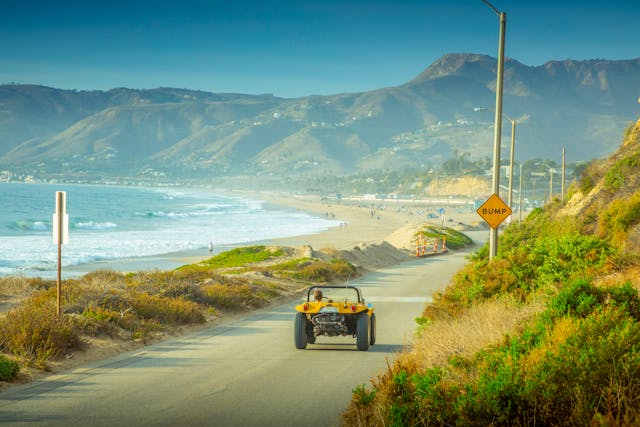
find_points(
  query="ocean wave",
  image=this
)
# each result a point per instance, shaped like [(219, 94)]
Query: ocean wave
[(137, 226), (91, 225), (180, 215), (29, 225)]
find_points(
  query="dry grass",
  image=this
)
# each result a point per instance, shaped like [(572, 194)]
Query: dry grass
[(478, 326), (475, 328), (34, 333), (12, 287), (628, 275)]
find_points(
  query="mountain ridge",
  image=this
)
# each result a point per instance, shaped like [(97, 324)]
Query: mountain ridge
[(577, 104)]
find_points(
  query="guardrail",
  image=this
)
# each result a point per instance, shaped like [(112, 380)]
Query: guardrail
[(430, 246)]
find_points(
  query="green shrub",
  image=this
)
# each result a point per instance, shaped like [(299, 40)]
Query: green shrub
[(103, 277), (527, 267), (234, 296), (166, 310), (576, 364), (291, 265), (581, 298), (615, 176), (8, 369), (158, 282), (323, 272), (237, 257), (614, 179), (33, 331), (97, 320), (594, 370), (455, 239), (586, 184), (619, 217), (558, 259)]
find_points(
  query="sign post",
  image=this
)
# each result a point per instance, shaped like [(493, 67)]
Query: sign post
[(60, 236), (494, 211)]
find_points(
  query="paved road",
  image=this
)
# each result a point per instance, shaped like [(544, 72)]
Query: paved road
[(244, 373)]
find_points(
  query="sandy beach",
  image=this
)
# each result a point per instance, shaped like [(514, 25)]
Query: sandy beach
[(360, 222)]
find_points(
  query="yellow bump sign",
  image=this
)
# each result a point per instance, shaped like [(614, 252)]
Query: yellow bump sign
[(494, 211)]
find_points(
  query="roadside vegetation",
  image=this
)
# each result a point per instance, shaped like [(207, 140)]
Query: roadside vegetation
[(547, 333), (141, 306)]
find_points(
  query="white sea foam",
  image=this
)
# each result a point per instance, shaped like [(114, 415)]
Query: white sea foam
[(91, 225)]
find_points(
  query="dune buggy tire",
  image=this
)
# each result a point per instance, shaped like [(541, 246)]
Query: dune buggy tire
[(362, 332), (372, 329), (300, 331), (311, 338)]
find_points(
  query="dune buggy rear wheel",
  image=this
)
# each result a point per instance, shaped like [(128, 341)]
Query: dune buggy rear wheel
[(362, 332), (300, 331)]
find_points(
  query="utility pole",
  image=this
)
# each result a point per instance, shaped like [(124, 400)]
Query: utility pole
[(520, 196), (562, 196), (493, 236), (511, 157)]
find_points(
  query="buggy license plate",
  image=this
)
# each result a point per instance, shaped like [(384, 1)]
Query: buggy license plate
[(329, 309)]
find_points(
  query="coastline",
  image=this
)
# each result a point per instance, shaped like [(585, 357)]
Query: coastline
[(360, 222)]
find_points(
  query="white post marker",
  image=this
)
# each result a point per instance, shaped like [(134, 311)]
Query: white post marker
[(60, 236), (61, 220)]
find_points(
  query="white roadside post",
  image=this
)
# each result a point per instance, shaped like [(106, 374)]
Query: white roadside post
[(60, 236)]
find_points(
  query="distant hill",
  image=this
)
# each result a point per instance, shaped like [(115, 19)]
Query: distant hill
[(580, 105)]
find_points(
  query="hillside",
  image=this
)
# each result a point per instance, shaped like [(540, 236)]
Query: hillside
[(608, 196), (177, 133), (547, 333)]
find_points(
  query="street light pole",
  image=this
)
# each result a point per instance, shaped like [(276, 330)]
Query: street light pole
[(563, 167), (520, 196), (493, 236), (513, 144)]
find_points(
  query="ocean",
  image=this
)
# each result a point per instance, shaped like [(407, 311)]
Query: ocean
[(113, 222)]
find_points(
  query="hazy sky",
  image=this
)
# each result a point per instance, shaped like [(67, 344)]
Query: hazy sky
[(291, 48)]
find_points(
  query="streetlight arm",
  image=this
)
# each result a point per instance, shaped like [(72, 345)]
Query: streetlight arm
[(480, 109), (497, 12)]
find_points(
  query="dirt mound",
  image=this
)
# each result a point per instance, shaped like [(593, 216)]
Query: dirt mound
[(375, 255), (404, 237)]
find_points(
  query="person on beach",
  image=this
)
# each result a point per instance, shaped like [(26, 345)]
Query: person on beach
[(210, 247)]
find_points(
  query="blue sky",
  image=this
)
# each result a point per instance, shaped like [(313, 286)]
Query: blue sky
[(291, 48)]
